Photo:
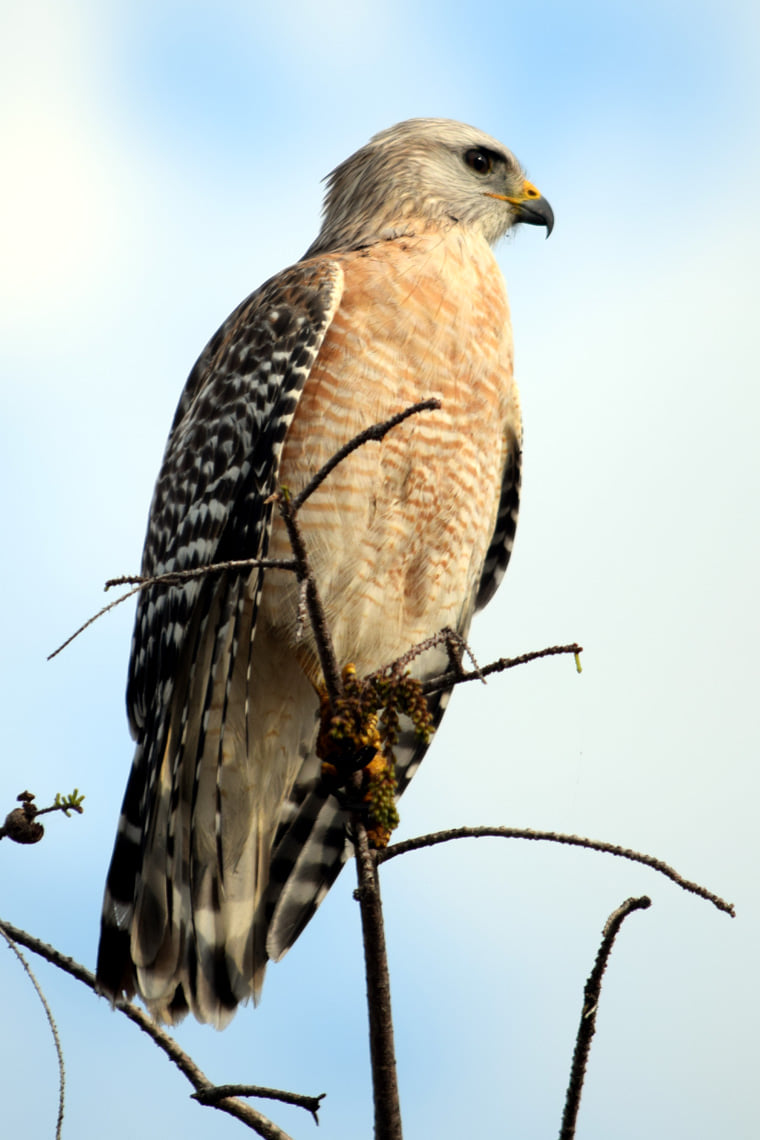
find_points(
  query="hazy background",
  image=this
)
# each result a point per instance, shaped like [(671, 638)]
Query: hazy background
[(159, 160)]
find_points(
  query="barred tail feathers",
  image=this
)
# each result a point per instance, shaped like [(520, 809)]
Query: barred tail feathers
[(191, 858), (241, 843), (115, 974)]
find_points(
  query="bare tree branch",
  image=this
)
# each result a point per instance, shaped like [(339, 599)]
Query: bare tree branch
[(314, 608), (437, 837), (216, 1093), (53, 1030), (587, 1026), (177, 577), (255, 1120), (376, 432), (174, 578), (382, 1051), (456, 646), (289, 508), (457, 676)]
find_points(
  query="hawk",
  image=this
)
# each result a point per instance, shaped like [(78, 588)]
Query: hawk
[(229, 838)]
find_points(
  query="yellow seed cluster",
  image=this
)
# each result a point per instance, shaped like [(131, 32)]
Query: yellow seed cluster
[(381, 800), (367, 716)]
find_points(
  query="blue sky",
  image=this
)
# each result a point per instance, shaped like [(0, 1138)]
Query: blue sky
[(160, 161)]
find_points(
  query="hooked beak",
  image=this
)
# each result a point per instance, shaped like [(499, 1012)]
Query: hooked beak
[(530, 207)]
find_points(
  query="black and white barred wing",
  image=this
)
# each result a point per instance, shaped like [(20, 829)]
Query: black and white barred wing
[(191, 811), (502, 540)]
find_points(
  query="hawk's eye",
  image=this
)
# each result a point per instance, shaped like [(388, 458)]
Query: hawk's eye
[(478, 160)]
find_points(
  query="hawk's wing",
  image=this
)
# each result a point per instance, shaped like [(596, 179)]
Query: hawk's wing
[(503, 537), (210, 504), (222, 458)]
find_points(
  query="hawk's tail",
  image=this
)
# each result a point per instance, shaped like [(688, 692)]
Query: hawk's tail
[(230, 860)]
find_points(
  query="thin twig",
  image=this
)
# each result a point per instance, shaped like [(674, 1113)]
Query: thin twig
[(456, 677), (177, 577), (556, 837), (382, 1051), (587, 1026), (53, 1029), (289, 508), (94, 618), (456, 647), (186, 1065), (174, 578), (312, 1104), (376, 432), (315, 609)]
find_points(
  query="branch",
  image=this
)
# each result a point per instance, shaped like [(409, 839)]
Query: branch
[(587, 1026), (457, 676), (216, 1093), (174, 578), (382, 1051), (376, 432), (53, 1030), (255, 1120), (556, 837), (289, 508), (314, 607), (456, 647)]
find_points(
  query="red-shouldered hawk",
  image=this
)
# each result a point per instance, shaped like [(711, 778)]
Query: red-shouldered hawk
[(228, 838)]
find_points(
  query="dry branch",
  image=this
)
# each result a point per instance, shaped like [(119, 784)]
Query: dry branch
[(53, 1029), (141, 582), (216, 1093), (457, 675), (587, 1026), (382, 1050), (311, 599), (437, 837), (255, 1120), (374, 433), (175, 577)]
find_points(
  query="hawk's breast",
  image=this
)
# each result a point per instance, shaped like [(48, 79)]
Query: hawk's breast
[(398, 532)]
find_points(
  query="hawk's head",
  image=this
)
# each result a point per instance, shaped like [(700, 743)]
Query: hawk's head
[(428, 172)]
